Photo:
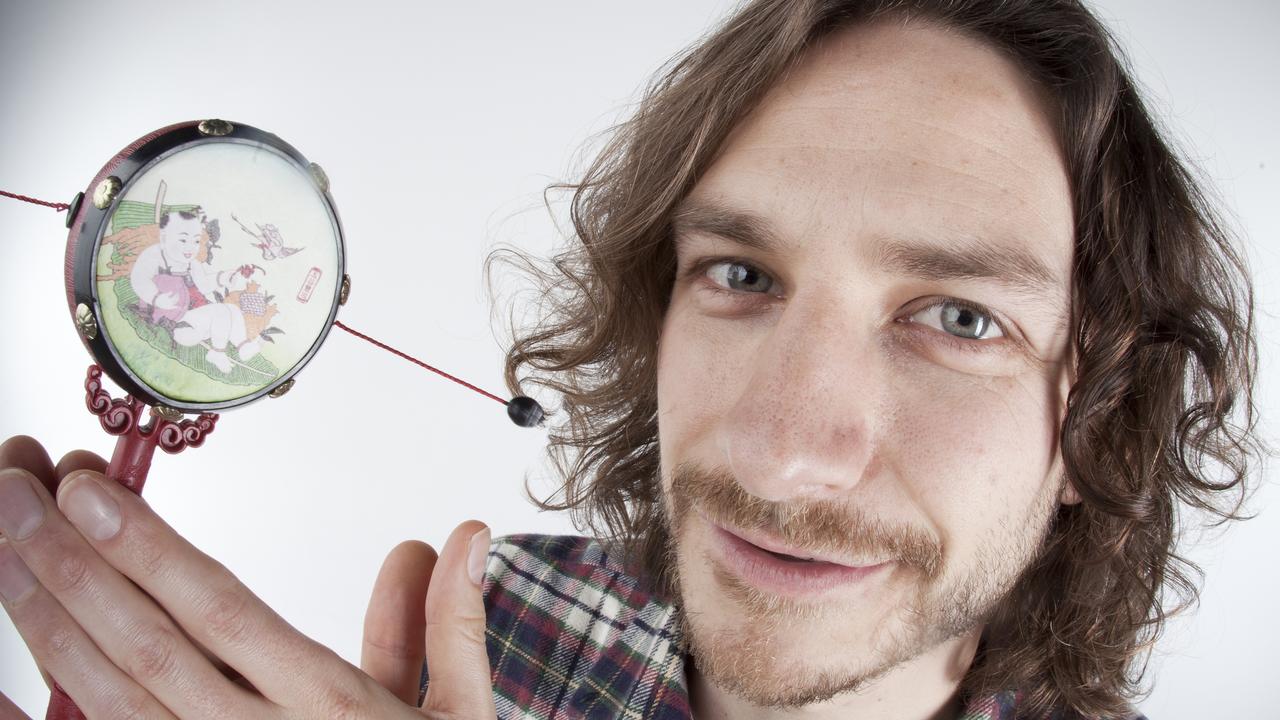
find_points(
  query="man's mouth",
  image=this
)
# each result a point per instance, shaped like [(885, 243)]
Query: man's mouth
[(788, 558), (782, 551), (766, 565)]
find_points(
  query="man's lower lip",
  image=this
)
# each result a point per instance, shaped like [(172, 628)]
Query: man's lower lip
[(773, 574)]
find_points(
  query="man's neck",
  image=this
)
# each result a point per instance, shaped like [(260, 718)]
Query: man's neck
[(923, 688)]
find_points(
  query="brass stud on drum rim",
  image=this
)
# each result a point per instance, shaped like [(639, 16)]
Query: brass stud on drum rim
[(86, 323), (106, 191), (321, 177), (167, 413), (285, 387), (215, 127)]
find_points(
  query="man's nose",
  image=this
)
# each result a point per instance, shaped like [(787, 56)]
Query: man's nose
[(803, 425)]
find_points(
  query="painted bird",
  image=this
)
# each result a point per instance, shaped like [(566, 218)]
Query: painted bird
[(270, 241)]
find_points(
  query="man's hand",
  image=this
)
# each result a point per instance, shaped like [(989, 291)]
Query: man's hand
[(132, 620)]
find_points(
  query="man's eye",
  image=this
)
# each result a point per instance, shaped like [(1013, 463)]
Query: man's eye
[(960, 319), (739, 276)]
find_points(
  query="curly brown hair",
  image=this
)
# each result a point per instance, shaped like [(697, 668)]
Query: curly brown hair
[(1159, 422)]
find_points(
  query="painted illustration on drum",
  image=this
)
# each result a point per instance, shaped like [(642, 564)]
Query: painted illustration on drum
[(212, 317), (217, 272)]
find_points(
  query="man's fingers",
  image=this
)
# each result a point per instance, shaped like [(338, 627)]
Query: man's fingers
[(58, 642), (24, 451), (395, 624), (79, 460), (205, 600), (27, 453), (461, 684), (82, 599)]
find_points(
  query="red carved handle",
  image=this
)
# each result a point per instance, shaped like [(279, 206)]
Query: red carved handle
[(61, 706), (132, 459)]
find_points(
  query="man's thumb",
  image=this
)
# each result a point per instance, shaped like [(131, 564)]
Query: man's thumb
[(456, 657)]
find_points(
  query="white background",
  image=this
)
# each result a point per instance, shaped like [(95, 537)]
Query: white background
[(439, 125)]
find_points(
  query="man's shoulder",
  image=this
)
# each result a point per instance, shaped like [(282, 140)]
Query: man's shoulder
[(570, 628)]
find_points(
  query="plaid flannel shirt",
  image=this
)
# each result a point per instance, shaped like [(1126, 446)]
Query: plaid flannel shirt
[(571, 634)]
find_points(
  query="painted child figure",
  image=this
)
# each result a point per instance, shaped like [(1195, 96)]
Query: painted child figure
[(176, 285)]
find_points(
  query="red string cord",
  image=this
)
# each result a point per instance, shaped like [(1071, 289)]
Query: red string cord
[(56, 206), (416, 361)]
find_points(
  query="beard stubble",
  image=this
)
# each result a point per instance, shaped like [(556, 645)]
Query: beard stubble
[(947, 602)]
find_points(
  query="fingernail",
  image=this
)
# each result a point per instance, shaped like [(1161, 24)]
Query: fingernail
[(15, 579), (21, 511), (89, 508), (477, 556)]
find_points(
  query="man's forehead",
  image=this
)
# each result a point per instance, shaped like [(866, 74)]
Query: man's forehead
[(888, 154), (938, 71)]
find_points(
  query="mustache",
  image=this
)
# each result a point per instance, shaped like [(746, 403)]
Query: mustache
[(812, 525)]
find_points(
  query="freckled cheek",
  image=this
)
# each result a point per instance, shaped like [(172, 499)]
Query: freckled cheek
[(700, 373), (966, 443)]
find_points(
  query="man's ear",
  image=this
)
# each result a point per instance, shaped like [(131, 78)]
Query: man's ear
[(1068, 494)]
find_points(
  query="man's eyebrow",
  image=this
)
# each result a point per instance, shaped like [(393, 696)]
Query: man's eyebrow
[(961, 258), (713, 218), (970, 259)]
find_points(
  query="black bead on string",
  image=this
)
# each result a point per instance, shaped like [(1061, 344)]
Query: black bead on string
[(524, 411)]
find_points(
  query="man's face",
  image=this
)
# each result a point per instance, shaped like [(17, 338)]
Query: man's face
[(883, 383), (180, 238)]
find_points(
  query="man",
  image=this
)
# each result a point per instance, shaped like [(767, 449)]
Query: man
[(893, 340)]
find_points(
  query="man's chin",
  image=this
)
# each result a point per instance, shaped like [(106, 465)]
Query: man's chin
[(780, 659), (781, 652), (774, 673)]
